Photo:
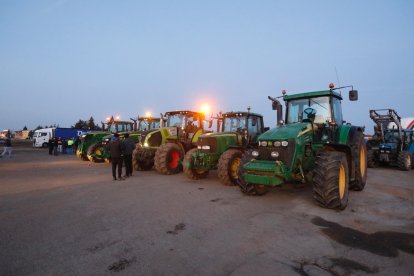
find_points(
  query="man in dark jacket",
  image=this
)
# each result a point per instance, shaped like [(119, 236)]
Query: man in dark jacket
[(116, 156), (127, 146)]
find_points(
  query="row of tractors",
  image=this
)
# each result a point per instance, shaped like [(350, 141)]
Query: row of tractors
[(311, 144)]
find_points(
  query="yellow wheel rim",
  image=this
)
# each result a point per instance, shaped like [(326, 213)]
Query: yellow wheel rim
[(234, 168), (362, 158), (98, 152), (341, 181)]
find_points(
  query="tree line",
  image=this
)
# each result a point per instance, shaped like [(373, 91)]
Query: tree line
[(84, 124)]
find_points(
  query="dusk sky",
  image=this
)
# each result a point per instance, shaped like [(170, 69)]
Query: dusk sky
[(65, 60)]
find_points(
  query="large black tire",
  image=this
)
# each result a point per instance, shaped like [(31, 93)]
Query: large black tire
[(404, 161), (94, 151), (81, 155), (228, 166), (245, 187), (188, 167), (137, 163), (331, 180), (372, 160), (168, 159), (360, 153)]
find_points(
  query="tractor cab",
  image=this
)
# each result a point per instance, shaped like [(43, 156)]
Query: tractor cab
[(248, 125), (184, 125), (115, 125), (148, 123)]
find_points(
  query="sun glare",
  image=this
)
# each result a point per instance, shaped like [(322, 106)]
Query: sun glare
[(205, 108)]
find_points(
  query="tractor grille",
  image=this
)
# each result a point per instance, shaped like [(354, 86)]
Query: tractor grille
[(208, 141), (285, 153)]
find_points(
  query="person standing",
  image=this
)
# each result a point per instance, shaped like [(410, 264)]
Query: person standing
[(50, 145), (7, 147), (116, 156), (55, 146), (127, 147)]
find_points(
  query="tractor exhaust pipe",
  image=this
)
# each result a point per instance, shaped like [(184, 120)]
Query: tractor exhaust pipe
[(276, 105)]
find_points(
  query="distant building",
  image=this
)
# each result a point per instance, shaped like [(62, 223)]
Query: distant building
[(21, 134)]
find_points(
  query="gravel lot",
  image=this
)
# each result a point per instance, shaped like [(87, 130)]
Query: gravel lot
[(63, 216)]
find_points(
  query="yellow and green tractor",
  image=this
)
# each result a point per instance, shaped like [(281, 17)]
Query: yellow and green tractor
[(165, 147)]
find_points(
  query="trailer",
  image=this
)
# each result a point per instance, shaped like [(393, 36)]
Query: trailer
[(42, 136)]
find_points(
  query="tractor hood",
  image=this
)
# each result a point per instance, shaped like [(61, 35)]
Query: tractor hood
[(286, 132)]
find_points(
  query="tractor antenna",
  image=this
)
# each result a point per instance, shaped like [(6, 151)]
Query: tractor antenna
[(337, 78)]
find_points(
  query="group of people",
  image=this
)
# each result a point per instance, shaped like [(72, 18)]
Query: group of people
[(57, 145), (121, 151)]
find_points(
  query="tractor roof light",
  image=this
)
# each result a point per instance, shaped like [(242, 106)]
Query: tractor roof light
[(331, 85), (283, 92)]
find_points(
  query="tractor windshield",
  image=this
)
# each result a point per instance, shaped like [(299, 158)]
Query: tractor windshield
[(119, 127), (299, 110), (232, 124), (148, 124), (176, 120)]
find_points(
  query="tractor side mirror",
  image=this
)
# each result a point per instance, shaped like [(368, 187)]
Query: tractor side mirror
[(353, 95), (210, 123)]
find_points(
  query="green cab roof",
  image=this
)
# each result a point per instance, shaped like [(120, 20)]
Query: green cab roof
[(313, 94)]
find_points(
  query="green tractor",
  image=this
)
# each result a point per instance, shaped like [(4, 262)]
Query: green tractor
[(236, 132), (314, 145), (88, 139), (165, 147), (98, 152)]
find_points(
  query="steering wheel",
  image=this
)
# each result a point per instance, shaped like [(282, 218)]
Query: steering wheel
[(309, 111)]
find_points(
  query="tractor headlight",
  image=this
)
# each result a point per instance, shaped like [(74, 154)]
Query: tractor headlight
[(285, 143), (205, 147), (274, 154), (263, 143), (255, 153), (146, 144), (276, 143), (199, 147)]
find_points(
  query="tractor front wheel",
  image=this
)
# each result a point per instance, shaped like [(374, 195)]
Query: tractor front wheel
[(168, 159), (94, 152), (189, 170), (404, 161), (228, 166), (248, 188), (137, 163), (331, 180)]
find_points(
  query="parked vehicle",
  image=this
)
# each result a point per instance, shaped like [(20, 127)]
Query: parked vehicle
[(312, 146), (42, 136), (390, 144), (237, 131), (98, 152)]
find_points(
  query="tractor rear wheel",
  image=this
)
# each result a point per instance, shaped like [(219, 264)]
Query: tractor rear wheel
[(372, 161), (360, 154), (168, 158), (189, 170), (137, 163), (249, 188), (331, 180), (228, 166), (94, 152), (404, 161)]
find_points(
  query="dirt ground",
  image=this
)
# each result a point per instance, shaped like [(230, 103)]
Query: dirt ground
[(63, 216)]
